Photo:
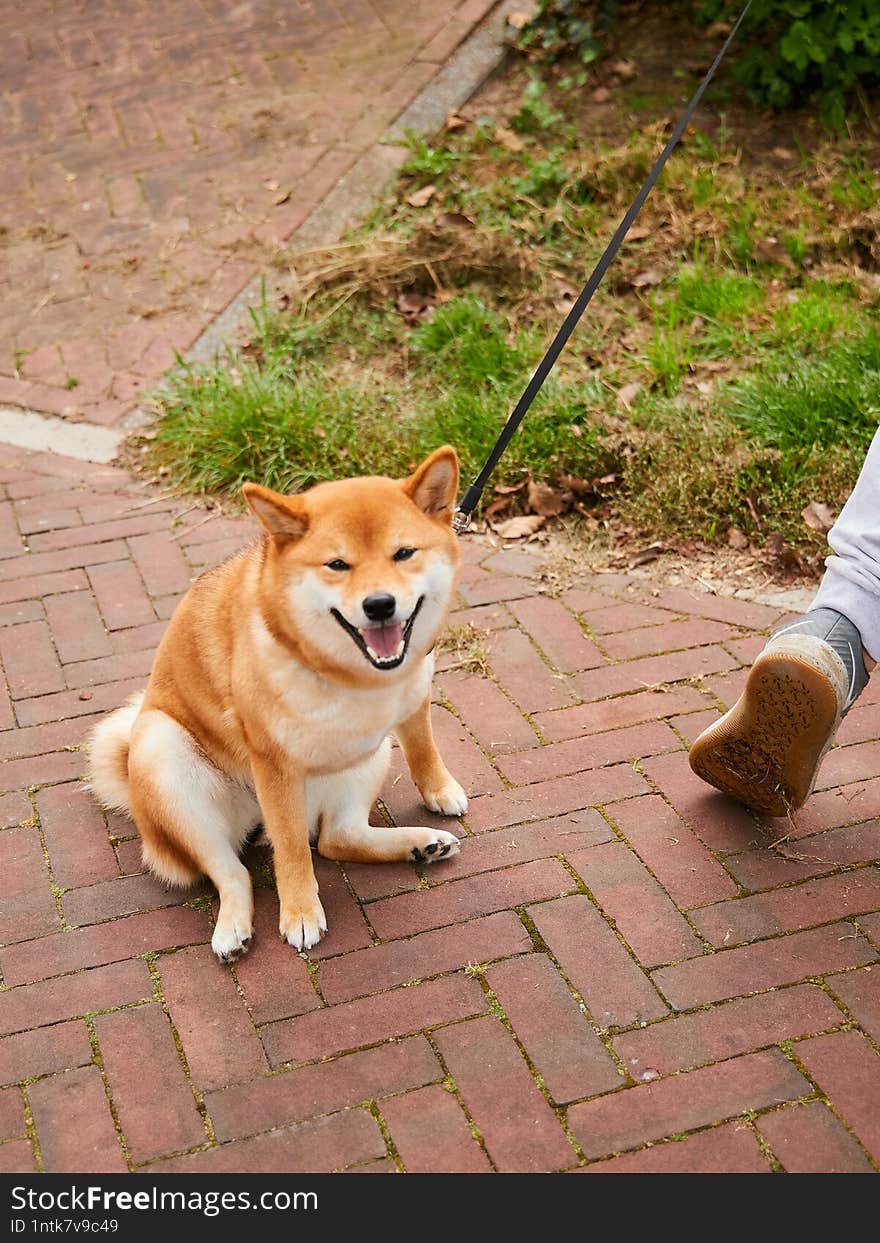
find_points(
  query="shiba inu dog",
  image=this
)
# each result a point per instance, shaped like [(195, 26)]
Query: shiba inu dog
[(275, 690)]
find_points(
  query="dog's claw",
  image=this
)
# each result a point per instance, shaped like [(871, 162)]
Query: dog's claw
[(439, 847), (231, 956), (304, 929)]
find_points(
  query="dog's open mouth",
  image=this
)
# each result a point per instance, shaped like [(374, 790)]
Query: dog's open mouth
[(384, 645)]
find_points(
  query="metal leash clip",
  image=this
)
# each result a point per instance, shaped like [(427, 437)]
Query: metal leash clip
[(461, 520)]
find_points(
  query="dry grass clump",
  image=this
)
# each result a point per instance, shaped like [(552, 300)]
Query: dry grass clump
[(436, 256)]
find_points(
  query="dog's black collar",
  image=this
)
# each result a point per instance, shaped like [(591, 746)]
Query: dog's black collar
[(358, 638)]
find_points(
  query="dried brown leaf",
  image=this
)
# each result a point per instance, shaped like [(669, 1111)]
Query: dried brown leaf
[(818, 516), (454, 220), (775, 543), (780, 551), (737, 539), (771, 250), (421, 198), (509, 139), (642, 280), (646, 554), (497, 507), (413, 303), (627, 395), (624, 69), (580, 487), (519, 527), (547, 501)]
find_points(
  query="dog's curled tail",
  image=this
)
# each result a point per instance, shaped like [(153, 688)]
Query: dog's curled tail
[(108, 755)]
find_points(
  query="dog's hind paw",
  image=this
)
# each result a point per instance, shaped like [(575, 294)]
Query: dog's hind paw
[(437, 845)]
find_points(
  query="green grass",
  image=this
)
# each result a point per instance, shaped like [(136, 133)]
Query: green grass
[(758, 360), (669, 355), (856, 187), (830, 400), (717, 296), (426, 162), (277, 422), (816, 313), (467, 346), (536, 112)]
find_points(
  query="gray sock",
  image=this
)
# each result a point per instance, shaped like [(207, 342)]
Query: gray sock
[(842, 637)]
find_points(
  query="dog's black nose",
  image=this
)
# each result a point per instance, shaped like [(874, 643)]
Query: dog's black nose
[(379, 607)]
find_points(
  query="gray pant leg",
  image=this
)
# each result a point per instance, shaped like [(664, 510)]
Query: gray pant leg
[(851, 583)]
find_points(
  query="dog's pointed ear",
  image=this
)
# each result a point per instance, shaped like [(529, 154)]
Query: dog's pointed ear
[(284, 517), (434, 486)]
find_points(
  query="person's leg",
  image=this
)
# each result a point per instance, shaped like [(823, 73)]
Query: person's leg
[(767, 749), (851, 583)]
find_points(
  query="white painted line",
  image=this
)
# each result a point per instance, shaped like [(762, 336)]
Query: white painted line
[(47, 434)]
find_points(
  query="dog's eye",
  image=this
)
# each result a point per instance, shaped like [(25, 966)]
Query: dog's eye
[(403, 554), (338, 564)]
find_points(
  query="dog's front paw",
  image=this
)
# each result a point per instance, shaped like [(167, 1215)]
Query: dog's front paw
[(437, 845), (303, 923), (448, 799), (232, 936)]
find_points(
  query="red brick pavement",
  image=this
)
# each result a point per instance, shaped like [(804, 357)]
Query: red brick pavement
[(617, 972), (156, 155)]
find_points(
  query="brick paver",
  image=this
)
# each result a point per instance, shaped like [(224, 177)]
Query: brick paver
[(618, 972), (153, 165)]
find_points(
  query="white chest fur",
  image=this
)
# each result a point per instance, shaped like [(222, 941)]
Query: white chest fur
[(328, 727)]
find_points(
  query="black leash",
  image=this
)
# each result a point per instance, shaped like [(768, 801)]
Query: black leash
[(471, 498)]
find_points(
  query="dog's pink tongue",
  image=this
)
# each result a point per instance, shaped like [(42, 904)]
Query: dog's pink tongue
[(383, 640)]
